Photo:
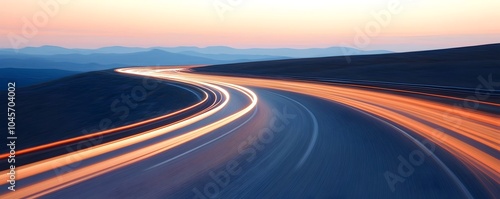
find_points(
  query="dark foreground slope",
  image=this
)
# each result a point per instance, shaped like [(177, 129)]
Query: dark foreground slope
[(84, 103), (459, 67), (27, 76)]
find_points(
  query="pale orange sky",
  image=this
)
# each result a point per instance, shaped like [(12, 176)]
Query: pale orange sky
[(413, 24)]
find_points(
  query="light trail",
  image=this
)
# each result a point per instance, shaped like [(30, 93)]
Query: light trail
[(70, 158), (480, 127), (106, 132), (422, 94), (50, 185), (66, 159), (418, 115), (477, 126)]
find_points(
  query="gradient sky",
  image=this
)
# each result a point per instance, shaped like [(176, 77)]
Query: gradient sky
[(424, 24)]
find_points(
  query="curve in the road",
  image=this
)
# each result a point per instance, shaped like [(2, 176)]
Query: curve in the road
[(470, 136), (79, 175)]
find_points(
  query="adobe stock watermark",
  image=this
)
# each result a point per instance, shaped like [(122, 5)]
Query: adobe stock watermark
[(224, 6), (121, 107), (249, 148), (407, 166), (32, 25), (364, 35)]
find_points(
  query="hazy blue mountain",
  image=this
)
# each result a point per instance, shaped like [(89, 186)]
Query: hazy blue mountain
[(100, 61), (42, 50), (211, 52), (118, 49), (54, 57), (206, 50), (4, 51), (279, 52), (232, 57), (152, 57)]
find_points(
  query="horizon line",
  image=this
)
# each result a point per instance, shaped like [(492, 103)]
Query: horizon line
[(272, 48)]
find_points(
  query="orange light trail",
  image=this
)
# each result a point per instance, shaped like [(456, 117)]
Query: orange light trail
[(480, 127), (50, 185), (105, 132), (70, 158), (412, 113)]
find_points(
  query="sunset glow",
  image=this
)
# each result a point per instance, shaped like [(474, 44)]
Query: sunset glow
[(243, 24)]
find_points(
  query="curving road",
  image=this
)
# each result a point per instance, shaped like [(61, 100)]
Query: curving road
[(269, 138)]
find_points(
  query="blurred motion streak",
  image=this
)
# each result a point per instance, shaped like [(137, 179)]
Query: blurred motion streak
[(105, 132), (479, 127), (418, 115)]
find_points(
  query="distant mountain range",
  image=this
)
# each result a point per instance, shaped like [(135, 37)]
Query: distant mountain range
[(279, 52), (54, 57), (152, 57), (207, 51)]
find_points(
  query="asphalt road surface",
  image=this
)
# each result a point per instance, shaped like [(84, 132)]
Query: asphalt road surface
[(267, 138)]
